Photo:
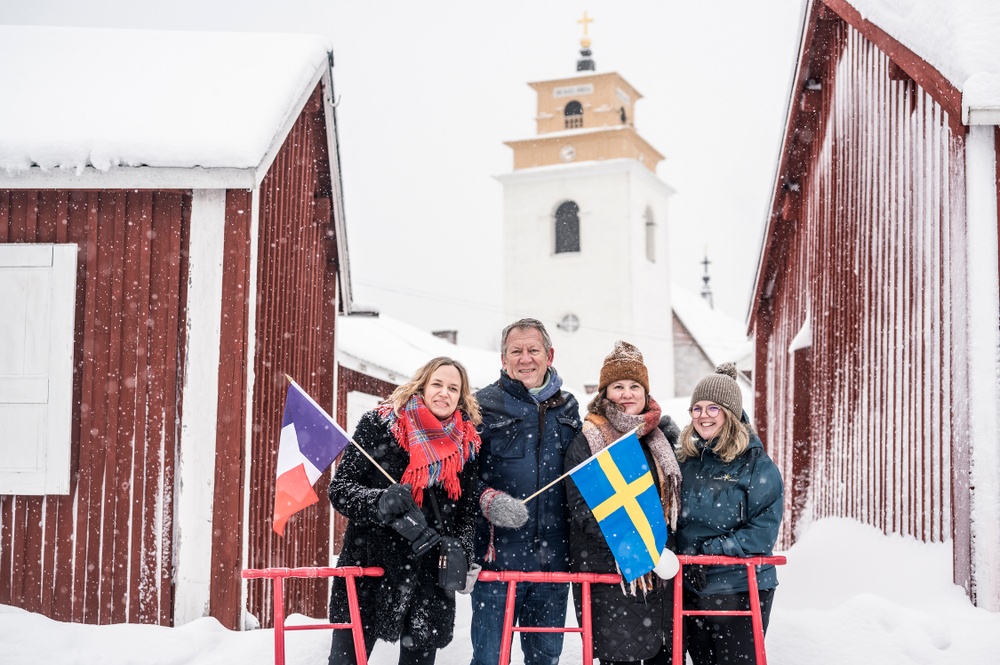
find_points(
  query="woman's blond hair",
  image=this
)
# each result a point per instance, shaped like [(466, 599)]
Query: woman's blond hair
[(466, 400), (732, 441)]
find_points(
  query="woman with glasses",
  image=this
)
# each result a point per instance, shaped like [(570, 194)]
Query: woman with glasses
[(731, 504)]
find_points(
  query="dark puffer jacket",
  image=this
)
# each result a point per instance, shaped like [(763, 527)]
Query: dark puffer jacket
[(407, 600), (730, 509), (626, 627), (524, 443)]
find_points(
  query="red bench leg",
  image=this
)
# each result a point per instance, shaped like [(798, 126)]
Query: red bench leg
[(755, 616)]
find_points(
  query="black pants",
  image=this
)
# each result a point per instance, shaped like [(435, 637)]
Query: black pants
[(663, 657), (713, 640), (342, 650)]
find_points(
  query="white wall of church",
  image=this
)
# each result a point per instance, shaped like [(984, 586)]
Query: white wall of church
[(610, 284)]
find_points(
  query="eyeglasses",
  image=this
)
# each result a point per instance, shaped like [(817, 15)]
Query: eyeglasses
[(711, 410)]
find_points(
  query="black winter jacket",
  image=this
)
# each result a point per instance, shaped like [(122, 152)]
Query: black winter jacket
[(407, 600), (626, 627)]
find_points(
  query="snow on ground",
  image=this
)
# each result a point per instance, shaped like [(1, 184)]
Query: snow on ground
[(849, 594)]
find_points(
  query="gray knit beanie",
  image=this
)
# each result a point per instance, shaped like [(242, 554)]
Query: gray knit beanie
[(720, 388)]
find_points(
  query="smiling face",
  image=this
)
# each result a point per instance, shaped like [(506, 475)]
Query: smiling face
[(629, 395), (706, 423), (525, 358), (444, 386)]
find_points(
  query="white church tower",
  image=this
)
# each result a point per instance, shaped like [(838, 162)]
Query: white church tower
[(585, 228)]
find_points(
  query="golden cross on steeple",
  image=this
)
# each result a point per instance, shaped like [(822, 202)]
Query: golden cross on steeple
[(585, 21)]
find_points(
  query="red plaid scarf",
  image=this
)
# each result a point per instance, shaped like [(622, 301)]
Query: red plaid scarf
[(438, 451)]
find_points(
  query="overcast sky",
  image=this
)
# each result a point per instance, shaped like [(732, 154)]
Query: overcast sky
[(428, 92)]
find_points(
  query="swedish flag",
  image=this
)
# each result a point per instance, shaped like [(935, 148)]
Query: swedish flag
[(618, 486)]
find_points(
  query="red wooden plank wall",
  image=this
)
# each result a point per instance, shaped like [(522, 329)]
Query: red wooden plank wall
[(103, 553), (868, 256), (295, 336)]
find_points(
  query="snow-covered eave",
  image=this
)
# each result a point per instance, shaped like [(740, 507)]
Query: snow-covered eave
[(165, 177), (131, 177), (369, 368), (291, 116), (347, 305), (982, 115)]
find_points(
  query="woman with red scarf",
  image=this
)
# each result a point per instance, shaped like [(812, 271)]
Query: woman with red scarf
[(424, 435)]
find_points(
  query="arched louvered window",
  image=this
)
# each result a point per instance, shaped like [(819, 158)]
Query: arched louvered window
[(574, 115), (568, 228)]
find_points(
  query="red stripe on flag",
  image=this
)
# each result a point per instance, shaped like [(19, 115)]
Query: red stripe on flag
[(292, 493)]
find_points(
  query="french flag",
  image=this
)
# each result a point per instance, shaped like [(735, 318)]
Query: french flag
[(310, 441)]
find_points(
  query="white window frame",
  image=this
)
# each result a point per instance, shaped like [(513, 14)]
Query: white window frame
[(38, 283)]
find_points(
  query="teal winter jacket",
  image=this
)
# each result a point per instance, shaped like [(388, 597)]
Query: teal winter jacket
[(730, 509)]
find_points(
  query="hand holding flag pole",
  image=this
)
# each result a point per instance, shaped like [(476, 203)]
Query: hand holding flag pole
[(570, 472), (310, 442)]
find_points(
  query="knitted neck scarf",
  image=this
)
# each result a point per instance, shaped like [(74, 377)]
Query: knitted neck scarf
[(606, 422), (438, 450)]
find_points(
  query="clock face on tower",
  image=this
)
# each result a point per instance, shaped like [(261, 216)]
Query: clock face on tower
[(567, 153)]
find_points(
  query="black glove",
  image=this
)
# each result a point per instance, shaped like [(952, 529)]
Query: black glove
[(695, 576), (424, 541), (394, 501), (413, 527)]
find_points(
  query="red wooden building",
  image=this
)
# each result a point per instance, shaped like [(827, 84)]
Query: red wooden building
[(171, 245), (877, 301)]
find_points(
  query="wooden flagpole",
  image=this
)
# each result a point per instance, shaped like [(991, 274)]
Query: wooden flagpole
[(355, 443), (565, 475)]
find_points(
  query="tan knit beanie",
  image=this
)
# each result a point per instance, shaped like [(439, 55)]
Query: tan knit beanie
[(720, 388), (625, 362)]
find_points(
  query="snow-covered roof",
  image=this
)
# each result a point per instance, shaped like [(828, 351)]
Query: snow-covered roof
[(720, 336), (392, 350), (79, 98), (959, 38)]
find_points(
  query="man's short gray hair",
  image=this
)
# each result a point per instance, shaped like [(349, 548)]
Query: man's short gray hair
[(526, 324)]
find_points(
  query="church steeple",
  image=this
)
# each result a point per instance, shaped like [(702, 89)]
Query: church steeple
[(584, 117), (586, 62)]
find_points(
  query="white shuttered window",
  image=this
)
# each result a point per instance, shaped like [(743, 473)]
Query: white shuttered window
[(37, 309)]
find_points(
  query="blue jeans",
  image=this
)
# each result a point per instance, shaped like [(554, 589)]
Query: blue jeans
[(534, 605)]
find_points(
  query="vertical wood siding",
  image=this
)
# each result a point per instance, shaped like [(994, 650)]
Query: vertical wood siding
[(862, 426), (295, 320), (103, 553)]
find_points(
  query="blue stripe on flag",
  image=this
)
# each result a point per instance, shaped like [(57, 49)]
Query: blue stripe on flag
[(320, 438), (618, 486)]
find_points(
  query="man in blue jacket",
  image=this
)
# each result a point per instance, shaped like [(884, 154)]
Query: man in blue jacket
[(528, 422)]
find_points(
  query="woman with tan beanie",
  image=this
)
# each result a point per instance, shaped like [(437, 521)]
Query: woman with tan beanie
[(631, 623), (731, 500)]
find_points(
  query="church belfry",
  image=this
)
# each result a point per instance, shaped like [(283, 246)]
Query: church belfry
[(585, 243)]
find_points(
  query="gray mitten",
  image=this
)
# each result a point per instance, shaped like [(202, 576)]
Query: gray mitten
[(501, 509), (471, 577)]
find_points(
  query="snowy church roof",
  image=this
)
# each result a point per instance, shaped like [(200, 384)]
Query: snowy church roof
[(960, 38), (77, 99), (721, 337)]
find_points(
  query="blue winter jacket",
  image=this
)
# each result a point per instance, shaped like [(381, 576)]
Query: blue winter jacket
[(525, 438), (730, 509)]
